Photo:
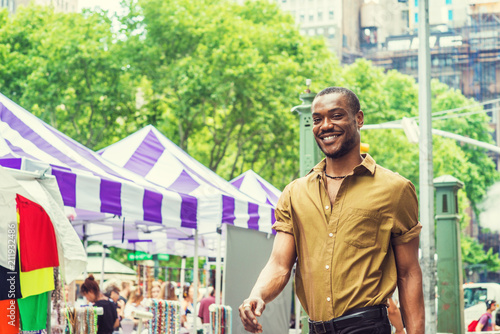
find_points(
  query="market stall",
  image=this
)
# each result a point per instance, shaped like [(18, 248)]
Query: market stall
[(40, 247)]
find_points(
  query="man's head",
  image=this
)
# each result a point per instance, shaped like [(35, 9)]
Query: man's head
[(337, 119), (491, 305), (113, 292)]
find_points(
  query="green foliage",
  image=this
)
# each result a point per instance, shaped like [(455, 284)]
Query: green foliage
[(223, 80), (473, 253), (63, 68)]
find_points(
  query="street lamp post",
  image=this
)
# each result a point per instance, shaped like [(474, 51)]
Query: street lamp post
[(426, 170)]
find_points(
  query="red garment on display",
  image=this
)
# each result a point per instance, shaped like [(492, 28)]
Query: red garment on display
[(37, 239), (9, 317)]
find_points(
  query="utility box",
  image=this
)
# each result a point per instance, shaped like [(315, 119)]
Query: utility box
[(449, 264)]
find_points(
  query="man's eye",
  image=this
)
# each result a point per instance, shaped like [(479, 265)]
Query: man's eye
[(316, 120)]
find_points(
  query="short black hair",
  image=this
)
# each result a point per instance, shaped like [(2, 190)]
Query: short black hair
[(490, 302), (352, 99)]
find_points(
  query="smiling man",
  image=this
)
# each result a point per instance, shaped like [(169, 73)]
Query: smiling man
[(351, 226)]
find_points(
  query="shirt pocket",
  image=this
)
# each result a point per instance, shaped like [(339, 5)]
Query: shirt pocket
[(361, 227)]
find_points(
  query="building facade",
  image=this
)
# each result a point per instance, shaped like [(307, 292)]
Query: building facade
[(66, 6)]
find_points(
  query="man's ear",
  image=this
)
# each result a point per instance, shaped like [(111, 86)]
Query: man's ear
[(360, 118)]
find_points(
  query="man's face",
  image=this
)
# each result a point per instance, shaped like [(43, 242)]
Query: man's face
[(335, 126), (114, 295)]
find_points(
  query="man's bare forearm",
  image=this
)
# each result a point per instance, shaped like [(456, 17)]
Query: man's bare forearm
[(412, 301), (272, 280)]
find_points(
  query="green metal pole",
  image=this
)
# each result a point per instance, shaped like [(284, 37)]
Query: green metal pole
[(449, 264), (310, 155)]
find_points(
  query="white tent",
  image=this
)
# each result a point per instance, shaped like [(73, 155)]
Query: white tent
[(44, 191)]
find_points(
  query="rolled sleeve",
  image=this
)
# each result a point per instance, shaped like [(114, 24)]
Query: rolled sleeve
[(406, 226), (283, 214)]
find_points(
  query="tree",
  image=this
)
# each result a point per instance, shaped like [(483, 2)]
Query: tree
[(62, 68), (222, 79)]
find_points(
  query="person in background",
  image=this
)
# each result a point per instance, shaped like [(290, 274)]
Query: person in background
[(155, 290), (113, 292), (187, 305), (109, 319), (125, 291), (394, 315), (134, 304), (485, 323), (167, 291), (204, 313)]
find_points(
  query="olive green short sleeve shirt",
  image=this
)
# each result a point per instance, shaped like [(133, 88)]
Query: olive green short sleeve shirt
[(345, 258)]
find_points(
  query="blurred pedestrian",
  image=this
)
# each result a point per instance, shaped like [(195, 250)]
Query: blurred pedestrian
[(125, 290), (134, 303), (167, 291), (113, 292), (486, 323), (204, 313), (109, 319), (155, 290), (351, 226)]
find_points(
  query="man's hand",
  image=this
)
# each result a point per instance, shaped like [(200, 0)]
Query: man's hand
[(249, 310)]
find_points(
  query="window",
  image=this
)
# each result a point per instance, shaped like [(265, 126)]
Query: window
[(330, 15), (473, 296), (321, 31), (311, 18), (416, 17), (312, 32), (416, 3), (450, 15), (331, 32), (320, 16), (448, 2), (302, 18)]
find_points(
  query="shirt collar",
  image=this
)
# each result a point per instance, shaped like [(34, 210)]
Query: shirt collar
[(366, 166)]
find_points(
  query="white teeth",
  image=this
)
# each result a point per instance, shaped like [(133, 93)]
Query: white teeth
[(330, 137)]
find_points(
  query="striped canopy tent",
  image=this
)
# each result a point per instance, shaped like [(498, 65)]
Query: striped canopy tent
[(86, 180), (151, 155), (255, 186)]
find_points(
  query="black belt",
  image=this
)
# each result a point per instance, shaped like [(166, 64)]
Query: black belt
[(349, 318)]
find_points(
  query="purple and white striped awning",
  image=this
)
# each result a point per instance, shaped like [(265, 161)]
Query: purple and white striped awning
[(151, 155), (255, 186), (86, 180)]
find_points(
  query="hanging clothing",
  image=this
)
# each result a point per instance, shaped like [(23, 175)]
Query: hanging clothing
[(37, 281), (10, 282), (33, 311), (9, 313), (37, 239)]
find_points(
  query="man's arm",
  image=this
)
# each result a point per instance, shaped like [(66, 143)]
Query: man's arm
[(272, 280), (395, 316), (411, 295)]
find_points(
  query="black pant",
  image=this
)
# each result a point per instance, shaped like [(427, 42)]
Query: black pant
[(359, 325)]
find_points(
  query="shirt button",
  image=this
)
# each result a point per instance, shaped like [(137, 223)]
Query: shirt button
[(330, 235), (328, 299), (327, 267), (327, 207)]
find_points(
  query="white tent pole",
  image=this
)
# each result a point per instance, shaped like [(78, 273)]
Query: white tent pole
[(85, 245), (218, 267), (102, 269), (207, 273), (195, 281), (223, 284)]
